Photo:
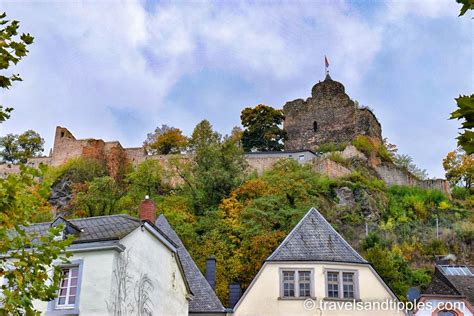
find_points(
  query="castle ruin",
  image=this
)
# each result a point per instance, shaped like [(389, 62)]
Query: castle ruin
[(328, 116)]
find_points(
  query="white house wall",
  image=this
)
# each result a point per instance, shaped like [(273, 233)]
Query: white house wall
[(148, 256), (95, 282), (262, 298)]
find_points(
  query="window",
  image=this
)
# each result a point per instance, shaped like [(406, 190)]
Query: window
[(446, 313), (296, 283), (333, 284), (304, 278), (348, 284), (68, 287), (341, 284), (456, 270), (315, 126), (301, 157), (288, 283), (67, 299)]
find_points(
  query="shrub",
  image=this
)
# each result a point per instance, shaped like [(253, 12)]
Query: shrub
[(330, 147), (371, 146), (337, 157), (460, 193), (363, 144), (465, 231), (77, 170)]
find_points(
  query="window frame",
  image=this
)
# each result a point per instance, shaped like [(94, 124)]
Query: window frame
[(53, 307), (340, 284), (296, 283), (68, 287)]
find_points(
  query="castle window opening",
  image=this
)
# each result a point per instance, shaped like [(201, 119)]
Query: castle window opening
[(315, 126), (62, 134)]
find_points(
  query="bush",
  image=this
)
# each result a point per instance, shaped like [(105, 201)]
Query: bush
[(330, 147), (460, 193), (465, 231), (371, 146), (337, 157), (364, 144), (77, 170)]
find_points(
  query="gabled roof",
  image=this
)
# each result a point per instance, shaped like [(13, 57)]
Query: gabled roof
[(205, 300), (443, 284), (314, 239), (93, 229)]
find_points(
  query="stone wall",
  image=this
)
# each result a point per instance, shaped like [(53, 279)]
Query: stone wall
[(393, 175), (261, 164), (327, 167), (328, 116), (136, 155), (6, 169), (36, 161), (66, 146)]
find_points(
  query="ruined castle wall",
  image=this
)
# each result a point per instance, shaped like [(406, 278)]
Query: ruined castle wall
[(136, 155), (36, 161), (393, 175), (367, 124), (327, 167), (116, 159), (261, 164), (437, 184), (6, 169), (329, 115)]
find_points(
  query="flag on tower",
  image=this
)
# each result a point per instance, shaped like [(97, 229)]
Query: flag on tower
[(326, 61)]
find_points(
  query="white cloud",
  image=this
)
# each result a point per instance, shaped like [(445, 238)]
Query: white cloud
[(89, 57)]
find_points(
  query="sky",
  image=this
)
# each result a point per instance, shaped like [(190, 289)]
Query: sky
[(117, 70)]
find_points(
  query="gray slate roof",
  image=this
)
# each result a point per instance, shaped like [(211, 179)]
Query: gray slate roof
[(314, 239), (99, 228), (457, 285), (205, 300)]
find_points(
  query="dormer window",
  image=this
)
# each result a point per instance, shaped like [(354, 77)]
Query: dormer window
[(69, 228), (296, 283)]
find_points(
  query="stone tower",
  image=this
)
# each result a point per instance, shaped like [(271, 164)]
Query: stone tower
[(328, 116)]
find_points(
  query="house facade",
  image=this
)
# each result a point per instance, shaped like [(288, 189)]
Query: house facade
[(112, 272), (316, 272), (120, 265)]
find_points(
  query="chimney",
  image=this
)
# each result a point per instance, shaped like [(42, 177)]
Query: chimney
[(235, 292), (211, 272), (147, 210), (445, 260)]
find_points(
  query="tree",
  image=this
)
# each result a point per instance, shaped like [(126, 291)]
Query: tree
[(146, 179), (166, 140), (459, 167), (98, 199), (406, 162), (18, 148), (12, 49), (29, 275), (465, 103), (9, 148), (466, 5), (465, 112), (216, 168), (263, 130)]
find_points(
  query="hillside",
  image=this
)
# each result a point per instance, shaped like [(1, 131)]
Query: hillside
[(220, 208)]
